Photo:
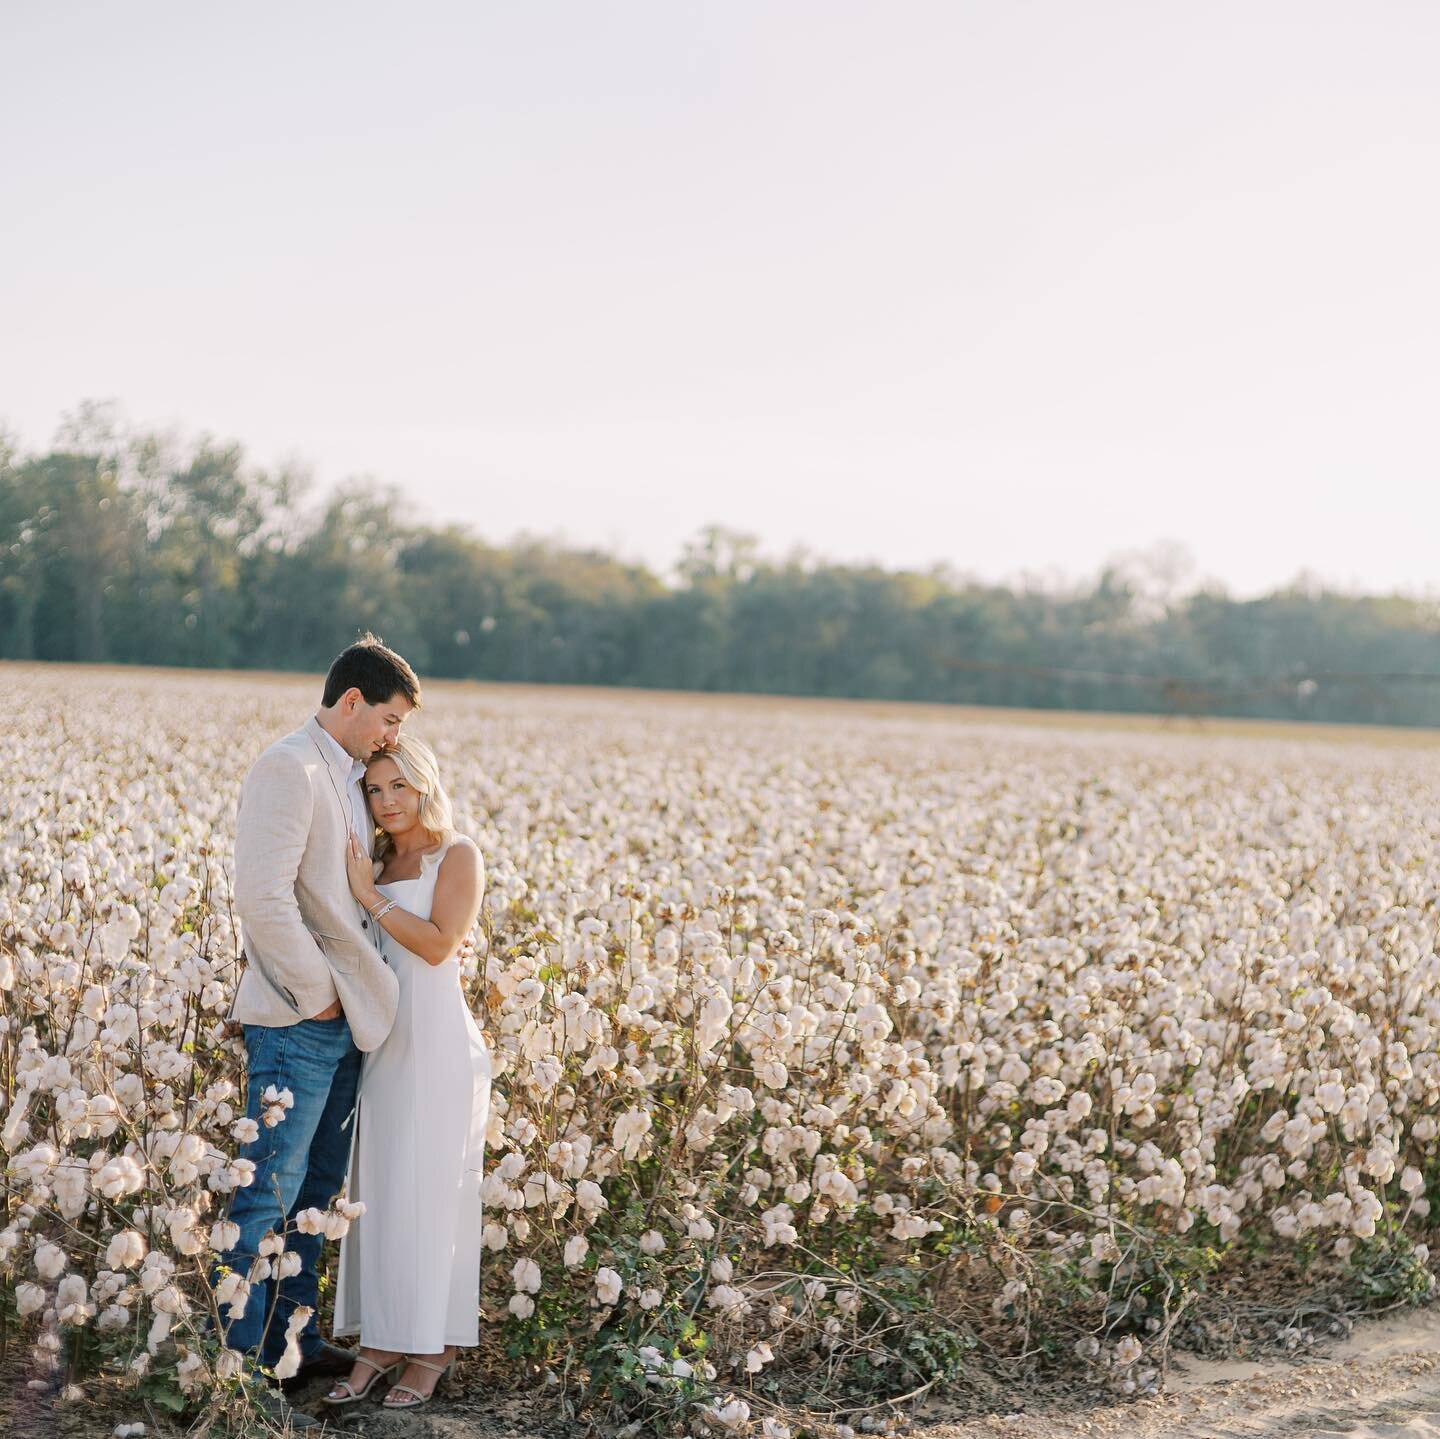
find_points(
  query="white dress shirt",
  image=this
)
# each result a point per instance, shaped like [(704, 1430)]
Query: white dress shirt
[(350, 776)]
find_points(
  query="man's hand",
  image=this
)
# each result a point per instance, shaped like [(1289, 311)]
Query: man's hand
[(331, 1011)]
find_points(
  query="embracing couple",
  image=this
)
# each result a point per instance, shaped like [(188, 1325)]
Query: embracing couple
[(354, 895)]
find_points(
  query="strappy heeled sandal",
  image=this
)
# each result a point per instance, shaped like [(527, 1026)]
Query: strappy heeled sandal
[(352, 1395), (416, 1400)]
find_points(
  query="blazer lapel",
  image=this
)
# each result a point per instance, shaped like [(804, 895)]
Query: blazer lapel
[(347, 826), (327, 762)]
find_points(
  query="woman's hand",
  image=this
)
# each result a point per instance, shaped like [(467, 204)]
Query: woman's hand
[(360, 870)]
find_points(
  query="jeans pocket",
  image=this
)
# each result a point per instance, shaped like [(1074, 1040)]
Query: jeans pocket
[(255, 1036), (317, 1045)]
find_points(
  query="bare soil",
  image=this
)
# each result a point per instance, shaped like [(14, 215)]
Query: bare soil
[(1383, 1382)]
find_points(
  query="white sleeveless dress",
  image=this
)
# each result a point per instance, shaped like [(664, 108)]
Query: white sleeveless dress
[(410, 1265)]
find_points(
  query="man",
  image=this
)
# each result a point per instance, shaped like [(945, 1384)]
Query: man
[(315, 990)]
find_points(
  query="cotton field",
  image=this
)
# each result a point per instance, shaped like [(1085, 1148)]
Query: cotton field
[(844, 1050)]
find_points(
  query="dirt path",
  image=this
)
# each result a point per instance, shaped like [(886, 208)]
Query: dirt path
[(1381, 1383)]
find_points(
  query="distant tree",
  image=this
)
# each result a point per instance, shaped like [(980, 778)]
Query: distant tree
[(66, 528), (463, 593), (718, 553), (148, 547), (341, 576)]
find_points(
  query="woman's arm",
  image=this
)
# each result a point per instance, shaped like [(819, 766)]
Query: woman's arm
[(459, 888)]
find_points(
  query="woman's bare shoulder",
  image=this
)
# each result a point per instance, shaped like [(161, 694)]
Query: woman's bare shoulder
[(463, 854)]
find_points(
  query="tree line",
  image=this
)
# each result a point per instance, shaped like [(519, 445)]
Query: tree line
[(141, 549)]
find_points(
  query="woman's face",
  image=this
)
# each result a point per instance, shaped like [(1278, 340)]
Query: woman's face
[(393, 803)]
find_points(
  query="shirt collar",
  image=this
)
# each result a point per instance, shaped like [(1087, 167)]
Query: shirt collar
[(346, 766)]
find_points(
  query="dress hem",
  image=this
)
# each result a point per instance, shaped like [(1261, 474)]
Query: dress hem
[(408, 1346)]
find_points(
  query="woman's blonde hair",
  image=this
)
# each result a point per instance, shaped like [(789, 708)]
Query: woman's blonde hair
[(416, 761)]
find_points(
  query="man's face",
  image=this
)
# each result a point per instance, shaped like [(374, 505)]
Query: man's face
[(368, 727)]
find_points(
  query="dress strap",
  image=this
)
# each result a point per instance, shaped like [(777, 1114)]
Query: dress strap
[(431, 861)]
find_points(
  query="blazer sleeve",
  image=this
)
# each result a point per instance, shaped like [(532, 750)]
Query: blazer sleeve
[(271, 831)]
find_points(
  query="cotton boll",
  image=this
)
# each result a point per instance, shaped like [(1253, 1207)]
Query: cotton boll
[(307, 1221), (1128, 1350), (630, 1130), (731, 1415), (50, 1261), (289, 1361), (160, 1329), (589, 1197), (224, 1235), (72, 1299), (125, 1250), (232, 1293), (607, 1286), (727, 1299), (229, 1364), (119, 1177)]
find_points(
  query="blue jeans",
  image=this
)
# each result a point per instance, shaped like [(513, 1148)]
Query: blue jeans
[(299, 1164)]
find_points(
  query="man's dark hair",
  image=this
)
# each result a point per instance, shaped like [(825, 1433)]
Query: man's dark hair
[(378, 673)]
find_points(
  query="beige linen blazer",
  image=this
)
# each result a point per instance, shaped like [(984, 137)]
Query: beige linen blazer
[(307, 940)]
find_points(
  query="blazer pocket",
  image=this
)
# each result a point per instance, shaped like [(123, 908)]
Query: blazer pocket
[(340, 953), (281, 990)]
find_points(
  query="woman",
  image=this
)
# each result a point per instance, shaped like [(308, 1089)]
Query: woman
[(410, 1265)]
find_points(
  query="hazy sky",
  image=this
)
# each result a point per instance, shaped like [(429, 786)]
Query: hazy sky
[(1013, 286)]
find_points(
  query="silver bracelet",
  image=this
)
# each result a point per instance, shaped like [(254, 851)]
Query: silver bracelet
[(379, 914)]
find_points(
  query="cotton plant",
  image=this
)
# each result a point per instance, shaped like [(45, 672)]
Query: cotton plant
[(777, 1000)]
